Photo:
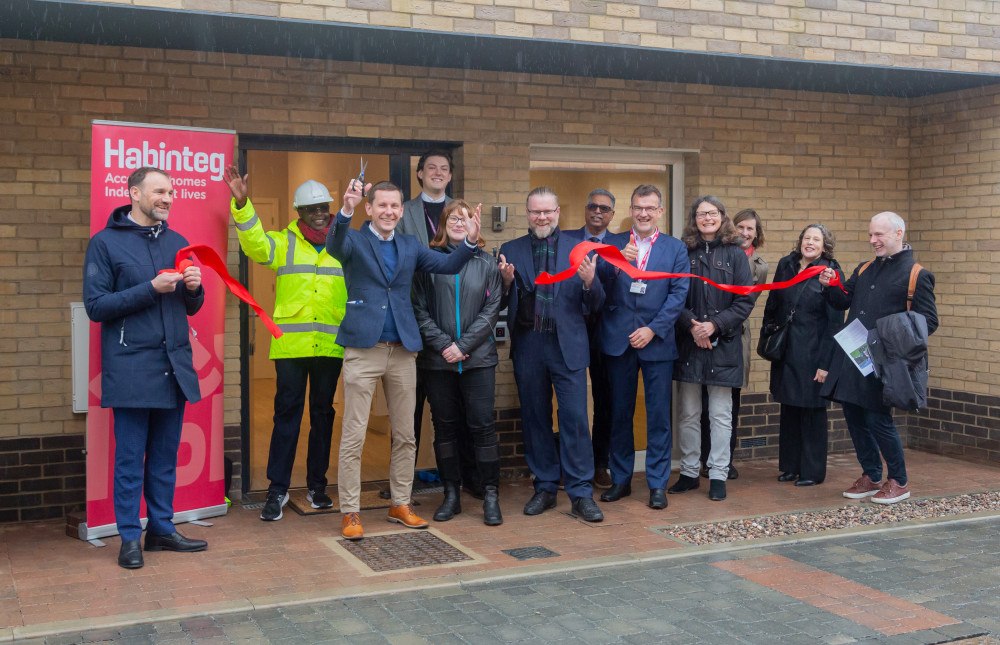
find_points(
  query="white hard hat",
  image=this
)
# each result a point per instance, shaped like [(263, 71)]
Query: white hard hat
[(311, 192)]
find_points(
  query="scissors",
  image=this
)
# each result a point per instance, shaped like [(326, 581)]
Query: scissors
[(361, 177)]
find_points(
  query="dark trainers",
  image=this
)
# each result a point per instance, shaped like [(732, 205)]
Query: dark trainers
[(319, 499), (684, 484), (272, 507), (717, 490)]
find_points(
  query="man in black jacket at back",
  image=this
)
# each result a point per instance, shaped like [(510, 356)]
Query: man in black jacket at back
[(876, 289)]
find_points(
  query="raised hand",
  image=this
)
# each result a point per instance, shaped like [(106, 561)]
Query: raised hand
[(353, 196), (237, 185), (586, 271), (631, 250), (506, 272), (473, 225)]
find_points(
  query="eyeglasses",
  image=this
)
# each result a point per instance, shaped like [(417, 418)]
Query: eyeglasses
[(542, 213), (315, 209), (707, 215), (645, 209), (455, 219), (603, 209)]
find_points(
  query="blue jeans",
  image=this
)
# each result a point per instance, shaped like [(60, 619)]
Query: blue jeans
[(539, 368), (146, 443), (873, 431)]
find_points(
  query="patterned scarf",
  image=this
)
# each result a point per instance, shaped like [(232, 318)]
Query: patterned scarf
[(543, 253), (312, 235)]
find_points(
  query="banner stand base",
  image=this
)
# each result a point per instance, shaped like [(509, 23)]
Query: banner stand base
[(93, 533)]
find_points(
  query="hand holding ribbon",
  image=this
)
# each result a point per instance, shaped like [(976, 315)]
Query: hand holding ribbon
[(613, 256), (211, 259)]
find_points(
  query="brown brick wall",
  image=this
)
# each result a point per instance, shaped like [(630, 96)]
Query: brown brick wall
[(41, 477), (958, 424), (934, 34), (797, 157)]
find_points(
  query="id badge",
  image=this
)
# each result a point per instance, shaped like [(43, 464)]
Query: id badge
[(638, 286)]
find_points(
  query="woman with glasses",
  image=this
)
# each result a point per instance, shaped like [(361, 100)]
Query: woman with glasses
[(797, 377), (456, 315), (709, 342)]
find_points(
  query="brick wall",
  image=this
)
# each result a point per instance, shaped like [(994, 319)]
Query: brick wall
[(797, 157), (933, 34), (41, 477)]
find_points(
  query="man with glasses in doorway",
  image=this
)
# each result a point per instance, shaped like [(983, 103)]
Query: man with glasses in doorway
[(637, 333), (598, 215), (309, 303)]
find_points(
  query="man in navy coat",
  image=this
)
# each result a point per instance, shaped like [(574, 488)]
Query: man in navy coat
[(147, 373), (549, 348), (637, 333), (381, 339)]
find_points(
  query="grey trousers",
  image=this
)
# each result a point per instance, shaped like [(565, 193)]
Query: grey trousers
[(720, 416)]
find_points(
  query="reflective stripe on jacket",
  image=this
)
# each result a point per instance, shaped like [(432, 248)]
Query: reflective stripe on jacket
[(311, 294)]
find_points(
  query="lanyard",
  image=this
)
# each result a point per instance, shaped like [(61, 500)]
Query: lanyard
[(430, 222), (641, 264)]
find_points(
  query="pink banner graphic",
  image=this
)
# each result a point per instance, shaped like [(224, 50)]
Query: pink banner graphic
[(195, 160)]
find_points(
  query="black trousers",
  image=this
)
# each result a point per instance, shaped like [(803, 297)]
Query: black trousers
[(706, 430), (462, 406), (600, 389), (321, 373), (466, 458), (802, 442)]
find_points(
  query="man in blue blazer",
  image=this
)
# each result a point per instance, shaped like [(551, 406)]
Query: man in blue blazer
[(600, 211), (637, 333), (549, 349), (381, 339)]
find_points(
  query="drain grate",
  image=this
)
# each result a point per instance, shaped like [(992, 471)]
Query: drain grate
[(531, 553), (404, 551), (753, 442)]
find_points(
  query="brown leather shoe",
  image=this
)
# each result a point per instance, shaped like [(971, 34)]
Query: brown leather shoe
[(602, 478), (403, 515), (351, 527), (891, 493), (863, 487)]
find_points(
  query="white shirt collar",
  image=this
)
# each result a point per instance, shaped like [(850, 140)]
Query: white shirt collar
[(430, 200), (392, 233)]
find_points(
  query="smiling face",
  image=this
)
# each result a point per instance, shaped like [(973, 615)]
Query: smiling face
[(151, 200), (455, 226), (315, 216), (646, 211), (543, 214), (747, 229), (708, 219), (884, 240), (811, 246), (385, 207), (435, 175), (599, 214)]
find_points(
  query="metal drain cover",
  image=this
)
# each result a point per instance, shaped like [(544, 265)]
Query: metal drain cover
[(404, 551), (531, 553)]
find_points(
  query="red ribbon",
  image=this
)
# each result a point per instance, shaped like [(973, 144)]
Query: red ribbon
[(211, 259), (615, 257)]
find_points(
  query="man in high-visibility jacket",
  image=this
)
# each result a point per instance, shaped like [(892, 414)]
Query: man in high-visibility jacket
[(309, 304)]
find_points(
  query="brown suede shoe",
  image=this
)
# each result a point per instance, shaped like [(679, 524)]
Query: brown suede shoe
[(892, 492), (863, 487), (351, 527), (403, 515)]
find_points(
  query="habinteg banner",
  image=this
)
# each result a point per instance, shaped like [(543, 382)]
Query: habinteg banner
[(195, 159)]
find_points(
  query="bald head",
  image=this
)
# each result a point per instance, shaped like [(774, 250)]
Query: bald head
[(885, 234)]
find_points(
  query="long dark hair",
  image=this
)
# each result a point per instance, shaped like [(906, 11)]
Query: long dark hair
[(440, 240), (829, 241), (727, 231)]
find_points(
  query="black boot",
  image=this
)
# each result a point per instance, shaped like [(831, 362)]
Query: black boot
[(452, 504), (491, 507)]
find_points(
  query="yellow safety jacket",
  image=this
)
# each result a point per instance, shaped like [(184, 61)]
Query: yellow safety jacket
[(311, 294)]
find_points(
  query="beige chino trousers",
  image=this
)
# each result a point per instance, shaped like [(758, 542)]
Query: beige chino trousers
[(397, 368)]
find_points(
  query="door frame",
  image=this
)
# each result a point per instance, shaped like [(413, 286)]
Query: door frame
[(399, 152)]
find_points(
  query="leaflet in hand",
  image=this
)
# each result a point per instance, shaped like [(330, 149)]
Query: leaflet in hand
[(853, 339)]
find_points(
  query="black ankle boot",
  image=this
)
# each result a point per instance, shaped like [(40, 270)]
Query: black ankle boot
[(491, 507), (452, 504)]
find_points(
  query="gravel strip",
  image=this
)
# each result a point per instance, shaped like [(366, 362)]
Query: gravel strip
[(861, 514)]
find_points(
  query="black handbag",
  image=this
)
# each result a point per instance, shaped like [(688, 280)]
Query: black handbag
[(774, 336)]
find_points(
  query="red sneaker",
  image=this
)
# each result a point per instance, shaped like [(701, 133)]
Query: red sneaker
[(891, 493), (862, 488)]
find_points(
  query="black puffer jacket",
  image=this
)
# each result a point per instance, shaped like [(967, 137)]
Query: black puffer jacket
[(723, 364), (479, 290)]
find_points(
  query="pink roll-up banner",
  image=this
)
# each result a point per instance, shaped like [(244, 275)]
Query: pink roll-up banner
[(196, 159)]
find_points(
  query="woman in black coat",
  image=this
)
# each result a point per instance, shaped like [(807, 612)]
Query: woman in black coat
[(796, 379), (709, 342)]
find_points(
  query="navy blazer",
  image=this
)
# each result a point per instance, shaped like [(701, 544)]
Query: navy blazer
[(658, 308), (370, 288), (570, 303)]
